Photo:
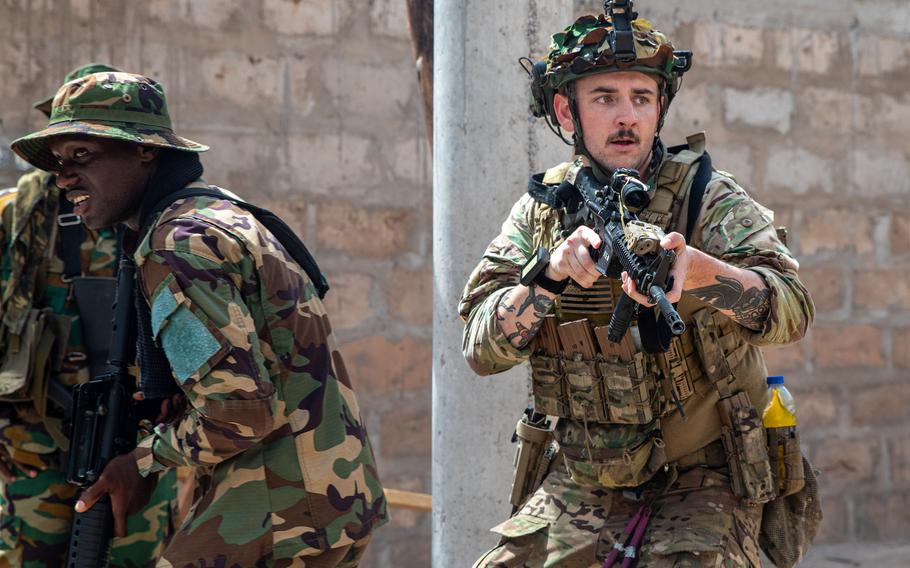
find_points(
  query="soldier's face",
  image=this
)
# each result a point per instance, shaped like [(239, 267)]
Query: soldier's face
[(103, 178), (618, 113)]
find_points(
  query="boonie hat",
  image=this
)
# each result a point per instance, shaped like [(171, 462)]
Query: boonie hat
[(81, 71), (119, 106)]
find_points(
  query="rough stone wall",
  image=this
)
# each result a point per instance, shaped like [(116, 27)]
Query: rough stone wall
[(311, 109), (806, 103)]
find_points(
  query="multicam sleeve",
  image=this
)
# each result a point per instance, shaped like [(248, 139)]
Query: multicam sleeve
[(738, 230), (485, 346), (205, 328)]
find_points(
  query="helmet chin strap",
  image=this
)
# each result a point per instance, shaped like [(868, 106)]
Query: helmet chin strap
[(602, 173)]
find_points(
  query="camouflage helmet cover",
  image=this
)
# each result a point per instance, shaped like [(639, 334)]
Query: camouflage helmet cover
[(44, 105), (119, 106), (616, 40), (584, 48)]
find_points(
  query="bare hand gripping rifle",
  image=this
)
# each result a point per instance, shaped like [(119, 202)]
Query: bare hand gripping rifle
[(633, 246)]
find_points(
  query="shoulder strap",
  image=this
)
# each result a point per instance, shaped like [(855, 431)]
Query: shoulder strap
[(558, 196), (697, 193), (285, 235), (71, 237)]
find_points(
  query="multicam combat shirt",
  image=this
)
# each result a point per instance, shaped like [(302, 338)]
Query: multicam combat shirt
[(731, 226), (272, 426)]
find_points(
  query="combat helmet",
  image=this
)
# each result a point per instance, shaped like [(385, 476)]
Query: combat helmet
[(616, 40)]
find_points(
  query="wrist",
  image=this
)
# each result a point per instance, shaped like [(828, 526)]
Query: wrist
[(697, 264), (553, 274)]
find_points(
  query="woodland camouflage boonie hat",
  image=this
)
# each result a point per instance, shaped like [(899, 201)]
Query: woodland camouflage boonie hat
[(119, 106), (77, 73)]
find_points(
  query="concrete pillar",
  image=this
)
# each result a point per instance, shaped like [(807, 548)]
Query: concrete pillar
[(485, 146)]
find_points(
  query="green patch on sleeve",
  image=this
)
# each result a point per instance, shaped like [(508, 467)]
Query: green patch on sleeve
[(163, 305), (187, 342)]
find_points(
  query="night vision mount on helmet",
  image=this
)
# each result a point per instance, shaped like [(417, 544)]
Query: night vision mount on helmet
[(616, 40)]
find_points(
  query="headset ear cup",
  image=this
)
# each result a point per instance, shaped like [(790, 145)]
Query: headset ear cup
[(540, 106)]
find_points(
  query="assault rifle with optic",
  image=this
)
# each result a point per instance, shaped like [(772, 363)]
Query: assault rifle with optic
[(632, 246)]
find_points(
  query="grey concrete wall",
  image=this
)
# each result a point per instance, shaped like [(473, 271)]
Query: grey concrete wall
[(485, 145)]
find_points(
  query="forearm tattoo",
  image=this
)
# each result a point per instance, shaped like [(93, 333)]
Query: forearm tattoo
[(750, 307), (525, 324)]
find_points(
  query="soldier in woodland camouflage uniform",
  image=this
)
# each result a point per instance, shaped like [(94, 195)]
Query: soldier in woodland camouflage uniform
[(37, 502), (623, 440), (284, 468)]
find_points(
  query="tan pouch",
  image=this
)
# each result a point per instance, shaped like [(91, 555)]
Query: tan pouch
[(606, 467), (743, 436), (17, 370), (630, 396), (584, 391), (789, 524), (536, 447), (786, 460), (547, 385)]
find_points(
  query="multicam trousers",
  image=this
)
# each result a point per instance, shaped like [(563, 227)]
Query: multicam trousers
[(697, 522), (37, 514)]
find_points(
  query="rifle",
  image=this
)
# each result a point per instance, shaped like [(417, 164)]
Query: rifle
[(105, 425), (628, 245)]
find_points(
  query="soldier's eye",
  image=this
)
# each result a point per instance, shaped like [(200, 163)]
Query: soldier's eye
[(82, 156)]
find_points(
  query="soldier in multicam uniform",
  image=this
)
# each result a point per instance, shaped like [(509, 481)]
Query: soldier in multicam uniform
[(37, 502), (285, 471), (635, 428)]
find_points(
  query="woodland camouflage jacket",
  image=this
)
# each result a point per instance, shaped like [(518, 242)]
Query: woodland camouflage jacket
[(272, 426)]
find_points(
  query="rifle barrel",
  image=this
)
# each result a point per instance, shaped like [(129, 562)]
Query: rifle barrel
[(677, 326)]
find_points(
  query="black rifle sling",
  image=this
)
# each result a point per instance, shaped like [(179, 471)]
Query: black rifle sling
[(697, 193), (285, 235), (71, 236)]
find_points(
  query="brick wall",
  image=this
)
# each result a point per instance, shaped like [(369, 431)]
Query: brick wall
[(806, 104), (311, 109)]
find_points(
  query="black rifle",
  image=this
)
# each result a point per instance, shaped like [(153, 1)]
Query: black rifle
[(608, 209), (105, 425)]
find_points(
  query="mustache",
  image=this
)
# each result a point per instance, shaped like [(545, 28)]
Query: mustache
[(624, 133)]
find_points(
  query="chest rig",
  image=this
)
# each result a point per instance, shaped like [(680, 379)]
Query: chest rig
[(623, 408)]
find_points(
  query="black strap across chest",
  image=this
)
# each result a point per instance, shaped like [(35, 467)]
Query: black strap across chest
[(285, 235)]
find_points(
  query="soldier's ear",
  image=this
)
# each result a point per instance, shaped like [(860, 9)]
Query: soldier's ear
[(147, 154), (563, 112)]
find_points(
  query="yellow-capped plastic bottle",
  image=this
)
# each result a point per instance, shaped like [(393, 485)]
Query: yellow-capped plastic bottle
[(779, 419), (781, 409)]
